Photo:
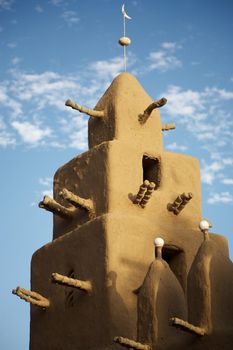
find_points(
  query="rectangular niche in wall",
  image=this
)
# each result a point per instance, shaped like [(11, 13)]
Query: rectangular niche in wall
[(175, 258), (151, 169)]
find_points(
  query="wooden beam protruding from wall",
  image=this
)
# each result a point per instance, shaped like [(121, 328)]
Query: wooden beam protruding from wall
[(128, 343), (188, 327), (86, 286), (167, 127), (31, 297), (179, 203), (51, 205), (77, 201), (142, 118), (144, 194), (81, 109)]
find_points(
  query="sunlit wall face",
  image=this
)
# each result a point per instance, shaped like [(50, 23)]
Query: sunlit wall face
[(54, 50)]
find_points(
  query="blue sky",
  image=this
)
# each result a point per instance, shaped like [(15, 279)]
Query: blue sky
[(52, 50)]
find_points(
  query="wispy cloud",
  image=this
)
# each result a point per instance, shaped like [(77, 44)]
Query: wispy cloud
[(12, 45), (227, 181), (70, 17), (107, 69), (16, 60), (6, 4), (205, 116), (57, 2), (39, 8), (165, 58), (31, 133), (220, 198), (6, 139), (209, 172), (46, 181), (201, 112), (176, 147), (26, 99), (47, 184), (45, 189), (9, 102)]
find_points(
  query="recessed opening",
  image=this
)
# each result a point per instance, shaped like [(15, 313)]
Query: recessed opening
[(175, 258), (151, 170)]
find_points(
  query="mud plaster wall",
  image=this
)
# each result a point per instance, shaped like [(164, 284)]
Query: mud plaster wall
[(115, 248)]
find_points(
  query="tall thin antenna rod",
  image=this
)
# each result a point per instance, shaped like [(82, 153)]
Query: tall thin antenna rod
[(124, 41)]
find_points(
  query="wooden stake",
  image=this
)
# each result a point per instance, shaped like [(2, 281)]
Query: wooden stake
[(188, 327), (31, 297), (77, 201), (81, 109), (179, 203), (141, 192), (167, 127), (51, 205), (142, 118), (72, 282), (147, 195), (128, 343)]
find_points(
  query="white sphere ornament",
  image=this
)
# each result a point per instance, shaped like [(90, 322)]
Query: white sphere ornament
[(204, 225), (159, 242), (124, 41)]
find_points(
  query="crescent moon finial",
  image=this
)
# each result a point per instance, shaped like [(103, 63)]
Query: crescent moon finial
[(124, 13)]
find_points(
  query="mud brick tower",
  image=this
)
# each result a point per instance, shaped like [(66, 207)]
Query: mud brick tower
[(101, 283)]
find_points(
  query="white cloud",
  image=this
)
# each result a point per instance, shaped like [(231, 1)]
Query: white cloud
[(31, 133), (70, 17), (223, 198), (209, 172), (227, 181), (11, 45), (164, 59), (39, 8), (9, 102), (57, 2), (202, 113), (6, 139), (26, 99), (79, 139), (44, 90), (174, 146), (3, 94), (2, 124), (170, 45), (183, 103), (16, 60), (107, 69), (227, 161), (47, 193), (46, 181), (6, 4), (220, 93)]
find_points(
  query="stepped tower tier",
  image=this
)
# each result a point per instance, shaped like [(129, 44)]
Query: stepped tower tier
[(123, 104)]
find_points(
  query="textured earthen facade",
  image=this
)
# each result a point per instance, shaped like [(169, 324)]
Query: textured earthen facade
[(100, 273)]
